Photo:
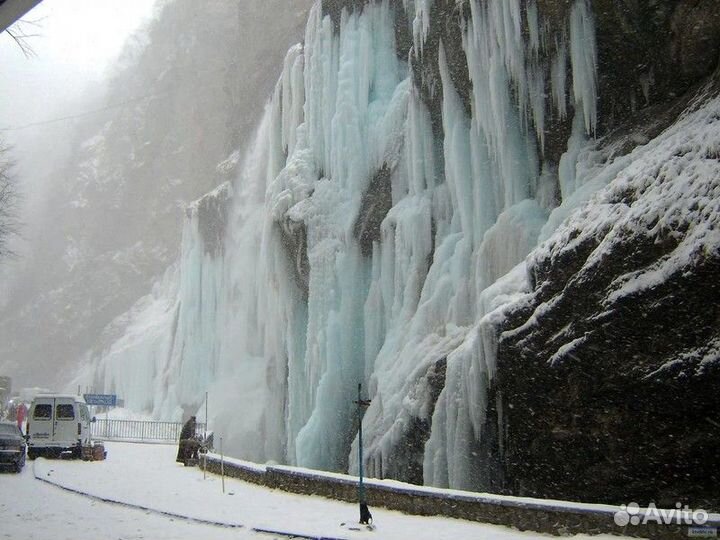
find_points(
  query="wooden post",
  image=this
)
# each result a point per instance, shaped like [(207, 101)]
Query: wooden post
[(222, 466), (206, 417)]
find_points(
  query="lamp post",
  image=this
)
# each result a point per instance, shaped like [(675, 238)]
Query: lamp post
[(362, 404)]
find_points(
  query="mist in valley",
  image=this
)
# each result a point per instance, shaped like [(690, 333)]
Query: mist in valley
[(111, 143)]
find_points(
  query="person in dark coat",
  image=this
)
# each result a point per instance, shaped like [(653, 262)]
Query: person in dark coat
[(189, 445)]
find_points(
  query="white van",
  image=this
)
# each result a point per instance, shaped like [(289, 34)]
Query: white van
[(57, 423)]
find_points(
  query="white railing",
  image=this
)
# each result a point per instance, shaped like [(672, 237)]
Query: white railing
[(139, 430)]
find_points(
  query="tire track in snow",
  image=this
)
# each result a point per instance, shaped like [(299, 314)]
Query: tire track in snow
[(174, 515)]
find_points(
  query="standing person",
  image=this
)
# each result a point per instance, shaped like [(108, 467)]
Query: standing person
[(21, 415), (11, 413), (188, 444)]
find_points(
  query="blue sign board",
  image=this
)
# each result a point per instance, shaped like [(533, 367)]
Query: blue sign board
[(107, 400)]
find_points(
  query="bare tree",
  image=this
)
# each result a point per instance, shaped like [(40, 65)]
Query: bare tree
[(20, 32), (9, 200)]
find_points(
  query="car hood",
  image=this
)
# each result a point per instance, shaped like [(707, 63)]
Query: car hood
[(11, 439)]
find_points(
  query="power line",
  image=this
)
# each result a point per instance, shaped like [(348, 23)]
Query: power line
[(83, 114)]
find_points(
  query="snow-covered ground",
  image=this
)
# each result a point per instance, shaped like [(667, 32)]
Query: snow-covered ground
[(161, 499)]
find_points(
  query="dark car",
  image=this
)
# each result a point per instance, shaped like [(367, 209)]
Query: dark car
[(12, 446)]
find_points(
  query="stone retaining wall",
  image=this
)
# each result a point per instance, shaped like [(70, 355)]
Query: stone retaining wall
[(556, 518)]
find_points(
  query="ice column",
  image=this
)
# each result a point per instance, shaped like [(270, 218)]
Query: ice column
[(583, 56), (421, 22), (355, 107)]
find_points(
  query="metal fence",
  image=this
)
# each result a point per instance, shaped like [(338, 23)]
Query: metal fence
[(136, 430)]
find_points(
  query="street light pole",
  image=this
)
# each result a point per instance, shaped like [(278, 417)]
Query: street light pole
[(365, 515)]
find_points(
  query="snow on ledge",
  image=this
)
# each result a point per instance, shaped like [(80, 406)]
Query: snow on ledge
[(530, 503)]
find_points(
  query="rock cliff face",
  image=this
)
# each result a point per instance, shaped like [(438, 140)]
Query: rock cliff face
[(608, 370), (608, 373)]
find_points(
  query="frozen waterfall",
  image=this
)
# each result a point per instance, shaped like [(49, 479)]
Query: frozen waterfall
[(360, 245)]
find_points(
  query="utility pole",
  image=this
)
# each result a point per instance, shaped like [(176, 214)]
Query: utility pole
[(365, 515)]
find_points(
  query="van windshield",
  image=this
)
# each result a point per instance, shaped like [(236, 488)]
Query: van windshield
[(65, 412), (42, 412)]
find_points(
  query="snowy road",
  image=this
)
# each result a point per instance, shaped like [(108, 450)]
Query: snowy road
[(147, 476), (33, 510)]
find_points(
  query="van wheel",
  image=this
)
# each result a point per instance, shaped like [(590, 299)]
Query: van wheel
[(32, 453)]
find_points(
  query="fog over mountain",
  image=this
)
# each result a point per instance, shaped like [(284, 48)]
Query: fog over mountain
[(185, 95)]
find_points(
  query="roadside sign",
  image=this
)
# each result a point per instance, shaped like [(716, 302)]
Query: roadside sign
[(107, 400)]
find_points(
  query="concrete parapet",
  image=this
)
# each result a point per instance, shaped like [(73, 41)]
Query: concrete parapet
[(544, 516)]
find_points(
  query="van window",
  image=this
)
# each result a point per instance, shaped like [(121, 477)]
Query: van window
[(42, 412), (65, 412)]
